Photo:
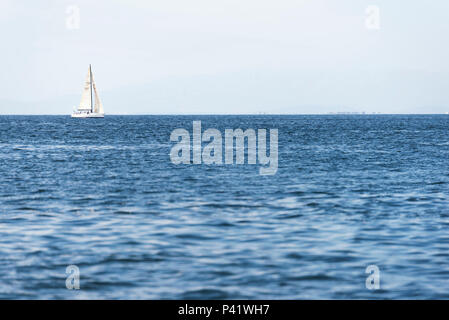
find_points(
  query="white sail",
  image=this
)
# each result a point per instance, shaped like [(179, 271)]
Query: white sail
[(86, 98), (87, 108), (98, 106)]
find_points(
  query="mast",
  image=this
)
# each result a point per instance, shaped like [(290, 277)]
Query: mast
[(91, 98)]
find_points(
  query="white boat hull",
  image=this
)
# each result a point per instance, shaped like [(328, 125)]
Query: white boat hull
[(87, 115)]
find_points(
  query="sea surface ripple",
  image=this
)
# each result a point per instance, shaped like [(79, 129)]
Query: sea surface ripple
[(102, 194)]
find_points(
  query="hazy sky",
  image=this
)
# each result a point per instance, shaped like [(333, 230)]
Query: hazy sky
[(210, 56)]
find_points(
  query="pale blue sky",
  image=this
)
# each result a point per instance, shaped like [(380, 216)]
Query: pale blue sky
[(206, 56)]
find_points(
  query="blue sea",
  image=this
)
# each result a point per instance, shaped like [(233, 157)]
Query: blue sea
[(102, 194)]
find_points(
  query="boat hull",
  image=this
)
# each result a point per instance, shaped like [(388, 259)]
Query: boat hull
[(87, 115)]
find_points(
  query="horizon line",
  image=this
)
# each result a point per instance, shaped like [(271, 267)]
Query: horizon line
[(229, 114)]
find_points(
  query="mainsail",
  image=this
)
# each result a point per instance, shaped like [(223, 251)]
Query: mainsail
[(86, 98), (98, 106)]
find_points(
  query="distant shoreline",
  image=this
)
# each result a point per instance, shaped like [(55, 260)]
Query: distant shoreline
[(245, 114)]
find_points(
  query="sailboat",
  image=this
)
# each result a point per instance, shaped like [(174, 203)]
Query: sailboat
[(87, 108)]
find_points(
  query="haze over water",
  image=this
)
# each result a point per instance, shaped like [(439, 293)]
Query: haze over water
[(350, 191)]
